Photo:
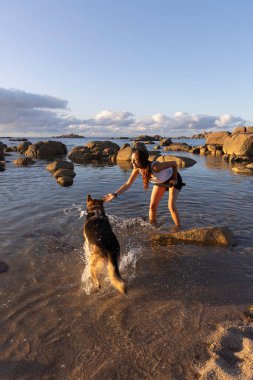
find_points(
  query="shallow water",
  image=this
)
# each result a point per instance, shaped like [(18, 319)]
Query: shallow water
[(55, 325)]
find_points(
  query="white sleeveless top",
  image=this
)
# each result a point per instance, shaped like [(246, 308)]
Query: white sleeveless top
[(162, 176)]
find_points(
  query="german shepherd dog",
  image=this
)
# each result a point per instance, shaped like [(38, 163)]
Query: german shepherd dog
[(103, 244)]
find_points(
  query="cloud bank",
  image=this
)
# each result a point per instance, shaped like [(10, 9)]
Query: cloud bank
[(27, 114)]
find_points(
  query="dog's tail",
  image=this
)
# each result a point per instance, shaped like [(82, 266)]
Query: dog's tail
[(114, 275)]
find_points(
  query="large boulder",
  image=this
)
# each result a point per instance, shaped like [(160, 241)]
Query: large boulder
[(125, 153), (80, 154), (94, 150), (46, 149), (182, 162), (100, 146), (240, 145), (56, 165), (183, 147), (217, 138), (206, 235), (22, 148)]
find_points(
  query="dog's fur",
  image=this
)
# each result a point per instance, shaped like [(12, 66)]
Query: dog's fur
[(103, 243)]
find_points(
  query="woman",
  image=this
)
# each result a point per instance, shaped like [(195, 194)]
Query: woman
[(160, 174)]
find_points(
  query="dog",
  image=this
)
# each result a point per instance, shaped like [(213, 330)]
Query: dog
[(103, 244)]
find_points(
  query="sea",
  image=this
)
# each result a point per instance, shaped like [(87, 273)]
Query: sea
[(55, 325)]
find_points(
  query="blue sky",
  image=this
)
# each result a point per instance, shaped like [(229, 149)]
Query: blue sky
[(113, 67)]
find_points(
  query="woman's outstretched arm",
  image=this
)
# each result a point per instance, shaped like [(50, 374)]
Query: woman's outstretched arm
[(109, 197)]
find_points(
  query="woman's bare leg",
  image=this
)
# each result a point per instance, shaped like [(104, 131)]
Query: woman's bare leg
[(156, 196), (173, 195)]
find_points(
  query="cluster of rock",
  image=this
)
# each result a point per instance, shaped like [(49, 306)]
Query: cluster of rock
[(94, 150), (235, 146), (46, 149), (62, 171), (125, 153)]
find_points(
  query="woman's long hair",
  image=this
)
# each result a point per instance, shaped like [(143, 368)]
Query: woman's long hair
[(142, 156)]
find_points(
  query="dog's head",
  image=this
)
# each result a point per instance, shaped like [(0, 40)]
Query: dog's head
[(94, 204)]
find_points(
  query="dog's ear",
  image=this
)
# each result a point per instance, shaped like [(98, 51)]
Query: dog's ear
[(88, 198)]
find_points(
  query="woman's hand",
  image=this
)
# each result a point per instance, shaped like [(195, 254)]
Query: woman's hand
[(109, 197)]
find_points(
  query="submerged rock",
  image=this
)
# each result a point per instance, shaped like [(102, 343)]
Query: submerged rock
[(3, 267), (24, 161), (205, 235)]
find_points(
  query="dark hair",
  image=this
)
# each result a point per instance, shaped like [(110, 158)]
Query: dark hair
[(144, 165)]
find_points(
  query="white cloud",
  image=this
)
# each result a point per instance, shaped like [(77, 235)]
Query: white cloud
[(26, 114)]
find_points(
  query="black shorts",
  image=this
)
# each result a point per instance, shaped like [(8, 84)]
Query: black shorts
[(178, 186)]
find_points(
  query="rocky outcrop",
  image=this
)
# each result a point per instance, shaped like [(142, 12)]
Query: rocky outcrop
[(180, 147), (239, 145), (217, 138), (24, 161), (207, 235), (63, 172), (22, 148), (243, 170), (94, 150), (182, 162), (146, 138), (46, 149), (11, 149)]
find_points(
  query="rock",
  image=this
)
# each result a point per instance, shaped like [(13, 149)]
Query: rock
[(46, 149), (17, 139), (22, 148), (182, 162), (183, 147), (250, 165), (80, 154), (157, 147), (3, 267), (145, 138), (165, 142), (65, 181), (195, 150), (54, 166), (243, 170), (2, 148), (125, 153), (64, 173), (153, 156), (139, 145), (239, 130), (239, 144), (250, 129), (206, 235), (217, 138), (100, 146), (24, 161)]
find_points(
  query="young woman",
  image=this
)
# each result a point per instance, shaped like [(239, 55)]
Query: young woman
[(160, 174)]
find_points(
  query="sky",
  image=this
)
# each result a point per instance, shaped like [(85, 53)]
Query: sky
[(125, 68)]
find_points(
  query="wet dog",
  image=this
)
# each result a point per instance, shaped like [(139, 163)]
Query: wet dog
[(103, 244)]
